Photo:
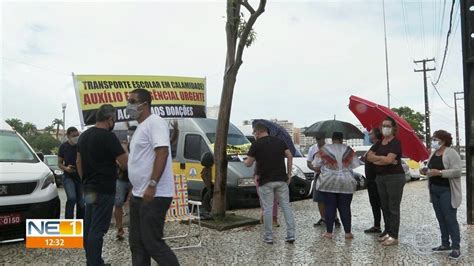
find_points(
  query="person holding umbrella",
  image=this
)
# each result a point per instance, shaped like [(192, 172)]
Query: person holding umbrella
[(390, 178), (444, 173), (336, 182)]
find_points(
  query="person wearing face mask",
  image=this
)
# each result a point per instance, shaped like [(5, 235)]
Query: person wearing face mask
[(370, 174), (98, 152), (151, 175), (72, 183), (444, 184), (123, 188), (390, 179)]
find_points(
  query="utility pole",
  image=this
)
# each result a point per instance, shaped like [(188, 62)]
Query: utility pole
[(427, 107), (456, 116), (386, 54), (467, 20)]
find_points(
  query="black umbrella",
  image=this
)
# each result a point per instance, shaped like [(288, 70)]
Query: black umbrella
[(326, 128)]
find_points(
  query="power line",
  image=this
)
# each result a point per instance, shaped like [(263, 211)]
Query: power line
[(407, 30), (440, 31), (434, 86), (422, 25), (447, 42)]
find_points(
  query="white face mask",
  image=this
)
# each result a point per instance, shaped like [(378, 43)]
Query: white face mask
[(74, 140), (387, 131), (435, 144)]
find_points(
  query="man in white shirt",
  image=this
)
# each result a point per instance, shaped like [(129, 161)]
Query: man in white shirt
[(150, 173)]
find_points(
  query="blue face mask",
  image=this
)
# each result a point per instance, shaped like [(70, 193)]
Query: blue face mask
[(435, 144)]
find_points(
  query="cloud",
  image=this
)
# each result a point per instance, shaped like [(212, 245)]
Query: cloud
[(308, 59)]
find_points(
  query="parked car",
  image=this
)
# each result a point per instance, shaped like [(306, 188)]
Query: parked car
[(52, 162), (27, 186), (362, 150), (302, 177), (413, 168)]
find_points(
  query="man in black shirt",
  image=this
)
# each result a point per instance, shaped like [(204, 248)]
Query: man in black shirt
[(71, 182), (98, 151), (269, 152)]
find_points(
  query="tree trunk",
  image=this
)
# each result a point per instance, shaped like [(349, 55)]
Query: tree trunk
[(232, 65), (57, 132), (220, 153)]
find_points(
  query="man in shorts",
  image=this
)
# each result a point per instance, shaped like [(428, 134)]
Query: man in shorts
[(122, 191)]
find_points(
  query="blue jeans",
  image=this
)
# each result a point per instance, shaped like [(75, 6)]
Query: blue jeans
[(267, 194), (446, 215), (96, 224), (73, 188)]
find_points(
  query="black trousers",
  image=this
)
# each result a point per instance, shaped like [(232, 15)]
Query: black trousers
[(374, 199), (391, 191), (147, 221)]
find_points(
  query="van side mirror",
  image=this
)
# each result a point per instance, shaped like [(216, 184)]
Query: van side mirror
[(207, 159), (41, 156)]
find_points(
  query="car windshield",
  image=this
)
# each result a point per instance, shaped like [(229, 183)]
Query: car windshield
[(14, 149), (51, 160)]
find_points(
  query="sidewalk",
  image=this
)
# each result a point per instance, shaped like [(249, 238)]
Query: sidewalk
[(244, 246)]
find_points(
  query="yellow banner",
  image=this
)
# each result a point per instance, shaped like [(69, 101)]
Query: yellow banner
[(171, 96)]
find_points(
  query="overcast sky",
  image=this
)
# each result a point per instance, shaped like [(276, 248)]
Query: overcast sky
[(309, 57)]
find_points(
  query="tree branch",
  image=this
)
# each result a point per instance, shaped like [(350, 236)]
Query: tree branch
[(246, 4), (248, 28)]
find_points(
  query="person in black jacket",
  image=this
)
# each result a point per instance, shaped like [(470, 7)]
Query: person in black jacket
[(374, 198)]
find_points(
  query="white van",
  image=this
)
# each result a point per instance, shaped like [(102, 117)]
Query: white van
[(27, 186)]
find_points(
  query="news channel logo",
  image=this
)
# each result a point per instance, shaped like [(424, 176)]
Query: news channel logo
[(54, 233)]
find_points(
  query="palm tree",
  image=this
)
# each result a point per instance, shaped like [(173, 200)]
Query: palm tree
[(30, 129), (57, 122), (49, 129), (16, 124)]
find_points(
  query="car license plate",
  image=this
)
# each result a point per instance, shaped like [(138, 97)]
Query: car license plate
[(7, 219)]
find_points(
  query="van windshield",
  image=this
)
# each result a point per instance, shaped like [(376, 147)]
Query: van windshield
[(232, 139), (14, 149), (236, 143)]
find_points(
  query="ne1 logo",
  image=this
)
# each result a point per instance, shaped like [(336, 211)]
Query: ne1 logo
[(54, 233)]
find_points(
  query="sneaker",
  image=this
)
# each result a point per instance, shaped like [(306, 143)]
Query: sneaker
[(383, 238), (320, 222), (373, 229), (268, 241), (455, 254), (290, 240), (390, 241), (441, 249), (337, 222)]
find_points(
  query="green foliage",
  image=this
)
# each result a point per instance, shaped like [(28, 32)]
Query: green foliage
[(415, 119), (252, 35), (44, 142)]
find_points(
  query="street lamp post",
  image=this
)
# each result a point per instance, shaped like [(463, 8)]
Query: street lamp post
[(64, 105)]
